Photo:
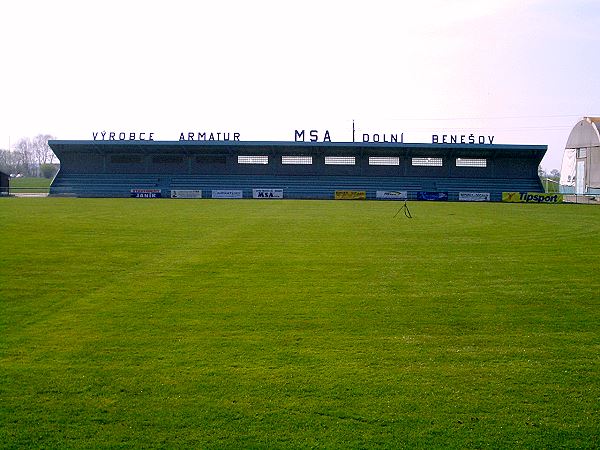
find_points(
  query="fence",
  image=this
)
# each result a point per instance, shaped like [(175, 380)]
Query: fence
[(28, 186), (583, 199)]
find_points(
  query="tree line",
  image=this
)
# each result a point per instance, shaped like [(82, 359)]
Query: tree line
[(30, 157), (553, 174)]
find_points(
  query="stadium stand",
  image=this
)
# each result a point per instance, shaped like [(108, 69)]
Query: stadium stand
[(302, 170)]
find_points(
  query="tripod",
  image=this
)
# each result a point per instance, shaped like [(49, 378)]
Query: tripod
[(405, 209)]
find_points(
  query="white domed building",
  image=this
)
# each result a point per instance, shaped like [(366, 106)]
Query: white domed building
[(580, 171)]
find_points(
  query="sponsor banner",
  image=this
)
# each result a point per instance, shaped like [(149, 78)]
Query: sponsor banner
[(186, 193), (392, 195), (350, 195), (432, 196), (146, 193), (474, 196), (226, 193), (267, 193), (531, 197)]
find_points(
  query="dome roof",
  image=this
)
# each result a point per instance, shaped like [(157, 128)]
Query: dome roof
[(585, 134)]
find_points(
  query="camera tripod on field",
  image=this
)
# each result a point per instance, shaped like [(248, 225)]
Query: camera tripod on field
[(405, 209)]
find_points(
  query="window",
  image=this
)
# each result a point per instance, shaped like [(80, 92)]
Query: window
[(340, 160), (125, 159), (167, 159), (581, 152), (471, 162), (211, 159), (253, 159), (384, 161), (437, 162), (296, 160)]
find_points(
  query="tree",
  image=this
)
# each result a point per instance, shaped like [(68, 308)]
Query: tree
[(23, 157), (541, 172), (48, 170), (30, 154), (554, 174), (8, 161), (42, 152)]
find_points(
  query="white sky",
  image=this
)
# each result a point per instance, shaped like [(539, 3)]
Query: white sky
[(523, 71)]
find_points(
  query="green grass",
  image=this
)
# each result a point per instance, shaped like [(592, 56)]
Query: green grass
[(29, 184), (249, 324)]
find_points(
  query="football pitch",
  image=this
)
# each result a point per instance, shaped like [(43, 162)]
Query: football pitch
[(296, 324)]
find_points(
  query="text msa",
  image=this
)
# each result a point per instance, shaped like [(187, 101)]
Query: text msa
[(267, 193), (312, 136)]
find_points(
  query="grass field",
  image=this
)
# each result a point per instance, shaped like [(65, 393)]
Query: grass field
[(29, 185), (253, 324)]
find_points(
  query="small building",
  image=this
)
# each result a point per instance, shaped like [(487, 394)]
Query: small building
[(4, 183), (580, 171)]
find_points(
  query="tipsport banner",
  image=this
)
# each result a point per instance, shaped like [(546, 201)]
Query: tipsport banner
[(531, 197), (350, 195)]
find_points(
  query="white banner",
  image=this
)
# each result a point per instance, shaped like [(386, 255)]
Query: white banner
[(392, 195), (474, 196), (568, 169), (224, 193), (186, 193), (267, 193)]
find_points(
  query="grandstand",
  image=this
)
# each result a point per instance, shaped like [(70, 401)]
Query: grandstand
[(298, 170)]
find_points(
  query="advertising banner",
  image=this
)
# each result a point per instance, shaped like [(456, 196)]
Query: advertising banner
[(186, 193), (146, 193), (432, 196), (392, 195), (267, 193), (226, 193), (531, 197), (350, 195), (473, 196)]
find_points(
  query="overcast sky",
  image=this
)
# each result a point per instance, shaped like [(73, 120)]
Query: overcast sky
[(523, 71)]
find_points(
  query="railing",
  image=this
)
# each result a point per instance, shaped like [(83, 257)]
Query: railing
[(28, 191), (584, 199), (550, 185), (28, 186)]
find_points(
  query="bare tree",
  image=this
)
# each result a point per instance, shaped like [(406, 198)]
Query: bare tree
[(8, 161), (42, 152), (541, 172), (30, 154), (24, 157)]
